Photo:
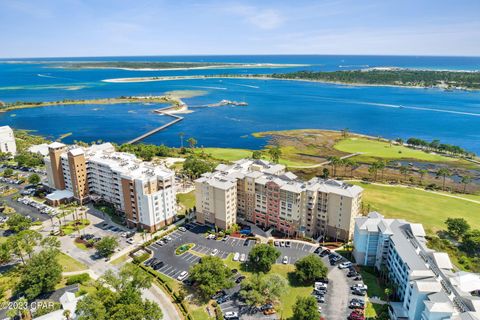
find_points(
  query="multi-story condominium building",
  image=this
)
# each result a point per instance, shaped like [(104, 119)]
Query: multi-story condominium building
[(265, 194), (425, 284), (144, 192), (7, 140)]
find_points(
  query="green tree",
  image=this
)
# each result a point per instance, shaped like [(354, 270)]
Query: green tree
[(195, 167), (471, 242), (192, 142), (404, 170), (262, 256), (334, 161), (325, 173), (422, 173), (34, 179), (257, 154), (261, 288), (466, 180), (373, 170), (106, 247), (23, 243), (305, 308), (16, 222), (444, 173), (41, 273), (310, 268), (5, 253), (124, 302), (28, 159), (210, 276), (8, 172), (457, 227), (50, 242), (275, 153)]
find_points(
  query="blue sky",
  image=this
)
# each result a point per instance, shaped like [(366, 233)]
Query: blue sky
[(46, 28)]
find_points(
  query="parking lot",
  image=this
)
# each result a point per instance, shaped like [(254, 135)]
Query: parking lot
[(337, 297)]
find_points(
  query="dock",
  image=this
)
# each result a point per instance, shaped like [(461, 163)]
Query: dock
[(152, 132)]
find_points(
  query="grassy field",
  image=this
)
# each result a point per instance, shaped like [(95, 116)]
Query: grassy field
[(187, 200), (71, 227), (419, 206), (69, 264), (373, 149), (229, 154), (120, 260)]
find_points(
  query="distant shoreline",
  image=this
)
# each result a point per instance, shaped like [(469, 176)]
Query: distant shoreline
[(355, 84), (174, 101)]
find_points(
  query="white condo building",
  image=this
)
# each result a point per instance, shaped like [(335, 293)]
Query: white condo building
[(7, 140), (144, 192), (426, 284), (265, 194)]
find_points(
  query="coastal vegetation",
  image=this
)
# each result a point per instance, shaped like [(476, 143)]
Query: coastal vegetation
[(156, 65), (390, 76), (174, 101), (448, 80)]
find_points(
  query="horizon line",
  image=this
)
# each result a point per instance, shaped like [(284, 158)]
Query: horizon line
[(253, 54)]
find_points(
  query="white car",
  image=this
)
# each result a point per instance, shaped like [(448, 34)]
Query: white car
[(282, 243), (130, 241), (182, 276), (285, 260), (243, 257), (182, 229), (360, 286), (345, 265), (230, 315), (319, 285), (236, 256), (214, 252)]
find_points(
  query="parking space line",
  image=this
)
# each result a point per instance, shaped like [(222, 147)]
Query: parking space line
[(162, 269), (169, 268)]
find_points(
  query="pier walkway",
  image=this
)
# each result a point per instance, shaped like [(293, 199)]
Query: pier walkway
[(151, 132)]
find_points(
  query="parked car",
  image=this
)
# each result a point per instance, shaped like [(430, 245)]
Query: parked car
[(246, 243), (182, 229), (345, 265), (182, 276), (219, 294), (288, 244), (282, 243), (236, 256), (239, 279), (230, 315), (225, 238), (285, 260), (158, 265), (276, 243), (243, 257), (214, 252)]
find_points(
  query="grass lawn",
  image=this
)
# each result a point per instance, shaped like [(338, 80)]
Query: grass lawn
[(380, 149), (289, 155), (71, 227), (201, 314), (375, 288), (120, 260), (420, 206), (69, 264), (376, 311), (227, 154), (81, 245), (187, 200)]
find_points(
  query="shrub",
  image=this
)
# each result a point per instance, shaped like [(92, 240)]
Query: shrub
[(78, 278), (141, 258)]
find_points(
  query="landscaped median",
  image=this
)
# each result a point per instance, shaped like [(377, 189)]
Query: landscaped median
[(184, 248)]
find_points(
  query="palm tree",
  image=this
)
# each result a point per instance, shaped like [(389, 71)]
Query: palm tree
[(334, 161), (181, 135), (373, 170), (345, 132), (422, 173), (465, 181), (353, 164), (67, 313), (192, 142), (444, 173), (404, 170), (381, 164)]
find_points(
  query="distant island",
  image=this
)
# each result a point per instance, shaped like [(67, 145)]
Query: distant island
[(156, 66), (447, 80)]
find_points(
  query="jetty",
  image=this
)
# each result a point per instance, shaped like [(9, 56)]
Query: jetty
[(165, 112)]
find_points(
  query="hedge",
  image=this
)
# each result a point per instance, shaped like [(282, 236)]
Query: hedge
[(78, 278)]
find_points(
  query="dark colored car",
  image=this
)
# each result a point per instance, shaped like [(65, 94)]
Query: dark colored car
[(246, 243), (239, 279)]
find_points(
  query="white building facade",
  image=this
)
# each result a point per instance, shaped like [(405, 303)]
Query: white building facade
[(7, 140), (426, 286), (143, 191)]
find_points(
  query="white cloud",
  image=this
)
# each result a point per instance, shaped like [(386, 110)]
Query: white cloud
[(266, 19)]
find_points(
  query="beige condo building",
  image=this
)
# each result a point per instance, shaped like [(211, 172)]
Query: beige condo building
[(144, 192), (265, 194)]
